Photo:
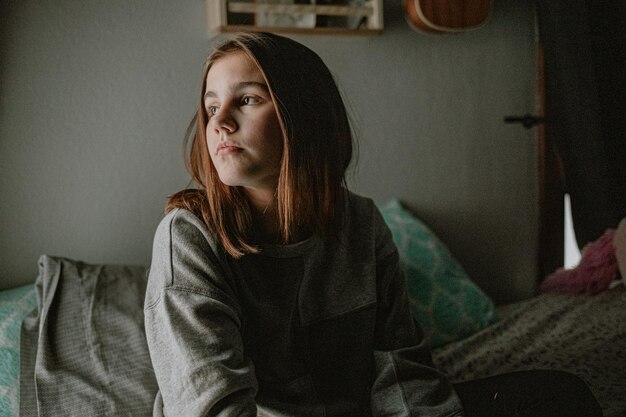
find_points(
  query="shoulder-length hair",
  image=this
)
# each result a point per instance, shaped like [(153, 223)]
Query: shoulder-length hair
[(317, 148)]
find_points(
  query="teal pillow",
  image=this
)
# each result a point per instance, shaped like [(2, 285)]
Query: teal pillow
[(15, 305), (444, 300)]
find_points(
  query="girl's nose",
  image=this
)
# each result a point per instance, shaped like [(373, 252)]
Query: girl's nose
[(223, 121)]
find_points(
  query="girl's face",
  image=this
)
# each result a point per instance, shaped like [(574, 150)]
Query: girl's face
[(243, 134)]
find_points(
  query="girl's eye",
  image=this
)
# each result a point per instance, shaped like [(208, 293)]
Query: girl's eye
[(248, 100), (212, 110)]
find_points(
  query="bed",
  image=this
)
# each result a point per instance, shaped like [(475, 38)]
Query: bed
[(73, 342)]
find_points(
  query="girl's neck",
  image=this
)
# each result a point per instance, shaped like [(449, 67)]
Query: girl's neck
[(265, 211), (268, 224), (264, 206), (269, 228), (262, 200)]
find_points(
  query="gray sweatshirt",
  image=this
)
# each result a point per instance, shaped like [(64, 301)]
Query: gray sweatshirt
[(317, 328)]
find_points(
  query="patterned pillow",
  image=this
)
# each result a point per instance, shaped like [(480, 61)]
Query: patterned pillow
[(444, 300), (15, 304)]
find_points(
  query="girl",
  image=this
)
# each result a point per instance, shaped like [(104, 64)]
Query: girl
[(273, 290)]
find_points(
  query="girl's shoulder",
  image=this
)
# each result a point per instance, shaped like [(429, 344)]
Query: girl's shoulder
[(185, 257), (356, 203), (181, 224), (361, 210), (181, 231)]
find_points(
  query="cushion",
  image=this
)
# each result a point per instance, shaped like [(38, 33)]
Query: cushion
[(83, 349), (444, 300), (15, 304)]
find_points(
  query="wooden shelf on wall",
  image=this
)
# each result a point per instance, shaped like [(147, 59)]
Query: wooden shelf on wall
[(330, 18)]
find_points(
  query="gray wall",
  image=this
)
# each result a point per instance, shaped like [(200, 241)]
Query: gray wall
[(95, 98)]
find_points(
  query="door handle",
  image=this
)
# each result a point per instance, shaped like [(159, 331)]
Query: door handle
[(526, 120)]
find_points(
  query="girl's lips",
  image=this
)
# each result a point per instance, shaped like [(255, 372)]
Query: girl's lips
[(227, 148)]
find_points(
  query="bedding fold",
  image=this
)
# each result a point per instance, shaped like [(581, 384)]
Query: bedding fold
[(83, 348)]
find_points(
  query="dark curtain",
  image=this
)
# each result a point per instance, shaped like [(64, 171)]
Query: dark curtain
[(584, 43)]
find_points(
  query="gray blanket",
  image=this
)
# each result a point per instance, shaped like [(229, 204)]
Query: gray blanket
[(83, 351)]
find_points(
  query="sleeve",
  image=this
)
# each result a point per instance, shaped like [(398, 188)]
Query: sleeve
[(406, 381), (193, 325)]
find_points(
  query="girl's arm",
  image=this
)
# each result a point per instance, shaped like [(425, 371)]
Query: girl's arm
[(193, 325)]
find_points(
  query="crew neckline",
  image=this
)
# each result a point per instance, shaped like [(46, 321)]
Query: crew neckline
[(290, 250)]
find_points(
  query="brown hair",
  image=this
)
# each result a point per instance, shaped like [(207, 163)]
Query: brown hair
[(317, 148)]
